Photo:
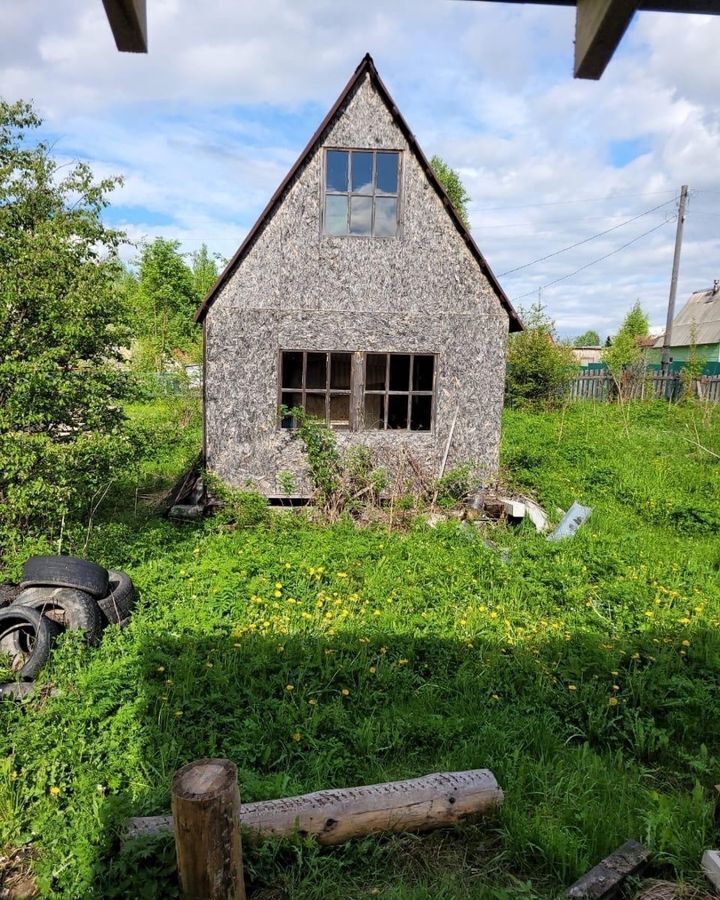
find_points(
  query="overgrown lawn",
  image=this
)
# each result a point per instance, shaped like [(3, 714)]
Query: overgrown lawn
[(585, 674)]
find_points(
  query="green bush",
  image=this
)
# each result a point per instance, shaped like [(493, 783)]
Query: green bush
[(539, 368)]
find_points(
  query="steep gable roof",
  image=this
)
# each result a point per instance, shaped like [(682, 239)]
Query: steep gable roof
[(366, 67)]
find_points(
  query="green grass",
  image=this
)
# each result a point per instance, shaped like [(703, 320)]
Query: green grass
[(585, 674)]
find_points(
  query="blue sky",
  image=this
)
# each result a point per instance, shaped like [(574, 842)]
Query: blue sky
[(206, 125)]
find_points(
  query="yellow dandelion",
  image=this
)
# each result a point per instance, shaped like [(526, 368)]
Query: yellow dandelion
[(289, 688), (495, 697), (572, 687), (312, 701), (178, 713), (372, 670), (278, 593), (342, 575), (616, 687), (278, 585), (403, 662), (296, 736), (160, 669), (55, 791), (612, 701), (345, 692), (686, 643)]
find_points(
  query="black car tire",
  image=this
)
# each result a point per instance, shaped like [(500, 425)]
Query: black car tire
[(70, 609), (27, 637), (67, 572), (116, 607)]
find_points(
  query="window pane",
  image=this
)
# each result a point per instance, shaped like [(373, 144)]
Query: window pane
[(360, 215), (421, 413), (423, 373), (386, 173), (374, 411), (290, 399), (340, 411), (292, 364), (399, 372), (336, 170), (336, 210), (375, 365), (316, 370), (340, 364), (315, 405), (385, 216), (398, 411), (362, 165)]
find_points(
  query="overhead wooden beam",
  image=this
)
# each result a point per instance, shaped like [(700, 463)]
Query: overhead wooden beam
[(708, 7), (599, 27), (128, 21)]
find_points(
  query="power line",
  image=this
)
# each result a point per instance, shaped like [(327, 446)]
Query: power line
[(577, 200), (595, 261), (588, 239)]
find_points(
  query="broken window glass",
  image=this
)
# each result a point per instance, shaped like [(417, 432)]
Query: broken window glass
[(399, 390)]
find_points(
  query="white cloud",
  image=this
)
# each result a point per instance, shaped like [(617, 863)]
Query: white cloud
[(206, 125)]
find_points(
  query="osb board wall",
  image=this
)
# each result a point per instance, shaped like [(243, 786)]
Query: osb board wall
[(421, 291)]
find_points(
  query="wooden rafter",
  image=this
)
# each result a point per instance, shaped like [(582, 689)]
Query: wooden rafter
[(600, 25), (128, 21)]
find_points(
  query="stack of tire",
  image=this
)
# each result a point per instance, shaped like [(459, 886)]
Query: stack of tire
[(59, 593)]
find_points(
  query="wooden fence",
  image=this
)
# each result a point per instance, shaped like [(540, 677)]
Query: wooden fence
[(601, 386)]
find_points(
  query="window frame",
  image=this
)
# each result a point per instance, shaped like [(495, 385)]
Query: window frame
[(324, 192), (409, 393), (327, 392), (357, 391)]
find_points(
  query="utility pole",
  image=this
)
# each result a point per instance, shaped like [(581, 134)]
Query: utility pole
[(673, 280)]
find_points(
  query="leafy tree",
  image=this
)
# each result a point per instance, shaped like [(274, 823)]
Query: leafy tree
[(62, 327), (454, 188), (163, 299), (625, 357), (204, 272), (540, 368), (588, 339), (626, 350)]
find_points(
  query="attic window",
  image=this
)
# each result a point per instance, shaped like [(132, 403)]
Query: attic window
[(361, 192)]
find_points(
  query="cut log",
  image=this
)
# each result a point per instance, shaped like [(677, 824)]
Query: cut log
[(335, 816), (607, 877), (206, 811)]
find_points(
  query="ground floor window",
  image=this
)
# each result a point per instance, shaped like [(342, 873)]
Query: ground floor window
[(360, 391)]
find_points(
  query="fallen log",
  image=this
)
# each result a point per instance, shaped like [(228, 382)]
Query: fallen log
[(335, 816)]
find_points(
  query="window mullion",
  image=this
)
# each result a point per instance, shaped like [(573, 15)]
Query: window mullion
[(387, 389), (410, 384)]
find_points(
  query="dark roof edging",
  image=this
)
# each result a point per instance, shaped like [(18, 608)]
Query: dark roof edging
[(366, 67)]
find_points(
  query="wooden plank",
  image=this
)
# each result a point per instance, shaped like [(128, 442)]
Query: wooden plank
[(599, 27), (128, 21), (335, 816), (206, 811), (605, 879)]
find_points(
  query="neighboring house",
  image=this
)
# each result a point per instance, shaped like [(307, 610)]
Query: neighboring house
[(360, 296), (696, 325), (590, 355)]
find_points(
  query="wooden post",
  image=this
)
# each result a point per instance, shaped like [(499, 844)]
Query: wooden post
[(667, 338), (206, 812)]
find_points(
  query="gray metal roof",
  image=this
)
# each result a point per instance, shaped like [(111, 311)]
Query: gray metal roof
[(698, 321)]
